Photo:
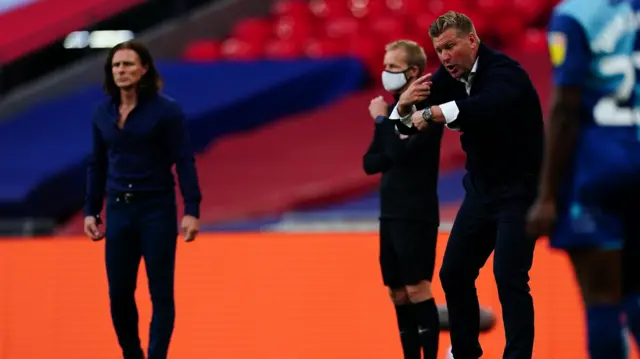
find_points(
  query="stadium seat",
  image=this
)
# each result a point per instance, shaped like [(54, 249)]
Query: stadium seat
[(387, 29), (202, 50), (236, 49), (341, 27), (369, 8), (293, 28), (283, 49), (325, 28), (323, 9), (323, 48), (297, 9), (534, 41), (256, 30)]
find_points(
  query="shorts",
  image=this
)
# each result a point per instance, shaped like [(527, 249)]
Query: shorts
[(585, 221), (600, 196), (407, 251)]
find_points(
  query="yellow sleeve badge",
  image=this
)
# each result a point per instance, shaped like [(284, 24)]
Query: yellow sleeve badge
[(557, 48)]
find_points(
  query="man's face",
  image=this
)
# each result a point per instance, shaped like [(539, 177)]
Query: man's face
[(127, 69), (456, 52), (395, 61)]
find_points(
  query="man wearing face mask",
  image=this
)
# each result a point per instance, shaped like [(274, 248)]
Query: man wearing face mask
[(491, 100), (409, 214)]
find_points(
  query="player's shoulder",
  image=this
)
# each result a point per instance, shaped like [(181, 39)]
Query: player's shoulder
[(494, 61), (594, 16)]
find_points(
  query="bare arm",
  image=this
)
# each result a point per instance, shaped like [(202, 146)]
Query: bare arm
[(561, 139)]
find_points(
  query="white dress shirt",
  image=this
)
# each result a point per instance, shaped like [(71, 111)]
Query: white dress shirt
[(449, 109)]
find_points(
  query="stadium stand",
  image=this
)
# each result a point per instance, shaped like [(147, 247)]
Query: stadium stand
[(47, 178), (39, 23), (258, 175), (335, 45)]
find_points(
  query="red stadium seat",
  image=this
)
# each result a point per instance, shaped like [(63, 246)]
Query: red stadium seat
[(282, 49), (387, 29), (324, 9), (236, 49), (368, 8), (534, 41), (297, 9), (202, 50), (370, 51), (253, 29), (510, 28), (322, 28), (323, 48), (288, 27), (341, 27), (420, 26)]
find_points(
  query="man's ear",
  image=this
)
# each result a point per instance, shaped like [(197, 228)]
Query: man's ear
[(473, 40), (413, 72)]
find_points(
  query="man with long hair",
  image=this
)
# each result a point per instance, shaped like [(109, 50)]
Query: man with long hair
[(138, 135)]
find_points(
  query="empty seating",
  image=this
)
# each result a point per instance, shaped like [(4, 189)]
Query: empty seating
[(328, 28)]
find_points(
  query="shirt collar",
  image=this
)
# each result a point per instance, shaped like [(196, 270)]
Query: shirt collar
[(472, 73)]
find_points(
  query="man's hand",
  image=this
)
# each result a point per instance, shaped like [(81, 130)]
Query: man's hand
[(417, 92), (541, 218), (190, 228), (91, 228), (378, 107), (418, 122)]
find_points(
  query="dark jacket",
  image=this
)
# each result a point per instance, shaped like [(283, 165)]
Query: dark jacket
[(409, 167), (500, 120)]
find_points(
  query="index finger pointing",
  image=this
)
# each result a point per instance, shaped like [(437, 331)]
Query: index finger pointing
[(424, 78)]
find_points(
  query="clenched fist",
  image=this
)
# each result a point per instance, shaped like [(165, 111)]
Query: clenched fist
[(378, 107)]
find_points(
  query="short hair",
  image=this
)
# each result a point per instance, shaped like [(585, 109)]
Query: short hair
[(415, 53), (452, 20), (150, 83)]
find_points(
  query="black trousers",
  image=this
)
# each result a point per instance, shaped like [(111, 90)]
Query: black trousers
[(141, 226), (491, 217)]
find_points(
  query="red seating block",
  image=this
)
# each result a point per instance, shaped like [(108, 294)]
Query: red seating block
[(289, 27), (282, 49), (387, 29), (236, 49), (326, 9), (322, 48), (253, 29), (202, 50), (298, 9), (341, 27)]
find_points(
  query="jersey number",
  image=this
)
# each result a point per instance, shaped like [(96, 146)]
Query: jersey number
[(608, 111)]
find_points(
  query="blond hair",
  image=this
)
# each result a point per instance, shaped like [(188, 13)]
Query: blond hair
[(415, 55), (452, 20)]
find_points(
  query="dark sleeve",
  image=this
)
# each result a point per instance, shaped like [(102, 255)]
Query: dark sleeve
[(96, 173), (504, 87), (438, 95), (407, 150), (405, 130), (182, 156), (375, 160)]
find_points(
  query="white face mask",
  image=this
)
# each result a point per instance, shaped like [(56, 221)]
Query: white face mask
[(393, 81)]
